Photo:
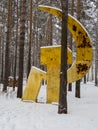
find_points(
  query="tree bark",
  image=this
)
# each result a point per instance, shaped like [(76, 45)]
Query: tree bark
[(30, 41), (7, 71), (72, 13), (96, 50), (50, 38), (16, 45), (63, 73), (21, 47), (77, 93)]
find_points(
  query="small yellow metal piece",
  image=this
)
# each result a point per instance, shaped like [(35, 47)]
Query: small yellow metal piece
[(33, 84)]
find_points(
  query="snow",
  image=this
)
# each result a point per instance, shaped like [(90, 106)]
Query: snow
[(56, 46), (82, 113)]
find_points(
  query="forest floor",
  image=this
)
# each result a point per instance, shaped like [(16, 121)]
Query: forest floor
[(18, 115)]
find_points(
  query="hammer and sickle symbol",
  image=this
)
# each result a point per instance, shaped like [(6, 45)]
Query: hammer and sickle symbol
[(50, 56)]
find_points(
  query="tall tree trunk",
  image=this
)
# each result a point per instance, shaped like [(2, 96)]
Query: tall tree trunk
[(35, 42), (2, 67), (21, 47), (77, 91), (85, 79), (2, 52), (72, 13), (30, 40), (63, 74), (6, 73), (50, 38), (16, 45), (96, 49)]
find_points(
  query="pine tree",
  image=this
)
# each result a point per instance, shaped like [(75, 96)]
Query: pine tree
[(21, 47), (7, 51), (63, 73)]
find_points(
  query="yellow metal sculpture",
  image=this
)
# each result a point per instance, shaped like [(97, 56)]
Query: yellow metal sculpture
[(50, 56), (83, 59)]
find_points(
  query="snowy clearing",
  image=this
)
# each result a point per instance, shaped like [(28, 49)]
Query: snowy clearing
[(82, 113)]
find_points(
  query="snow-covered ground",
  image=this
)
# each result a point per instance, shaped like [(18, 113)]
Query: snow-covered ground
[(82, 113)]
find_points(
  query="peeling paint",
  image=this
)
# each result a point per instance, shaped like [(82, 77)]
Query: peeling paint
[(81, 68), (74, 28)]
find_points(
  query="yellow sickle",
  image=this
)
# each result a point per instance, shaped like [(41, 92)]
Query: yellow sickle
[(84, 55)]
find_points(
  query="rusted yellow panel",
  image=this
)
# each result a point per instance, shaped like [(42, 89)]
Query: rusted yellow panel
[(33, 84), (53, 81), (50, 56), (84, 53)]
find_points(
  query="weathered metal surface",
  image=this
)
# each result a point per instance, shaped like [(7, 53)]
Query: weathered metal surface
[(51, 57), (33, 84), (83, 60)]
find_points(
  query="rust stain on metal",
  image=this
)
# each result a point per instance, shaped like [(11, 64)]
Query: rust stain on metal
[(81, 68), (79, 32), (85, 43), (74, 28)]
